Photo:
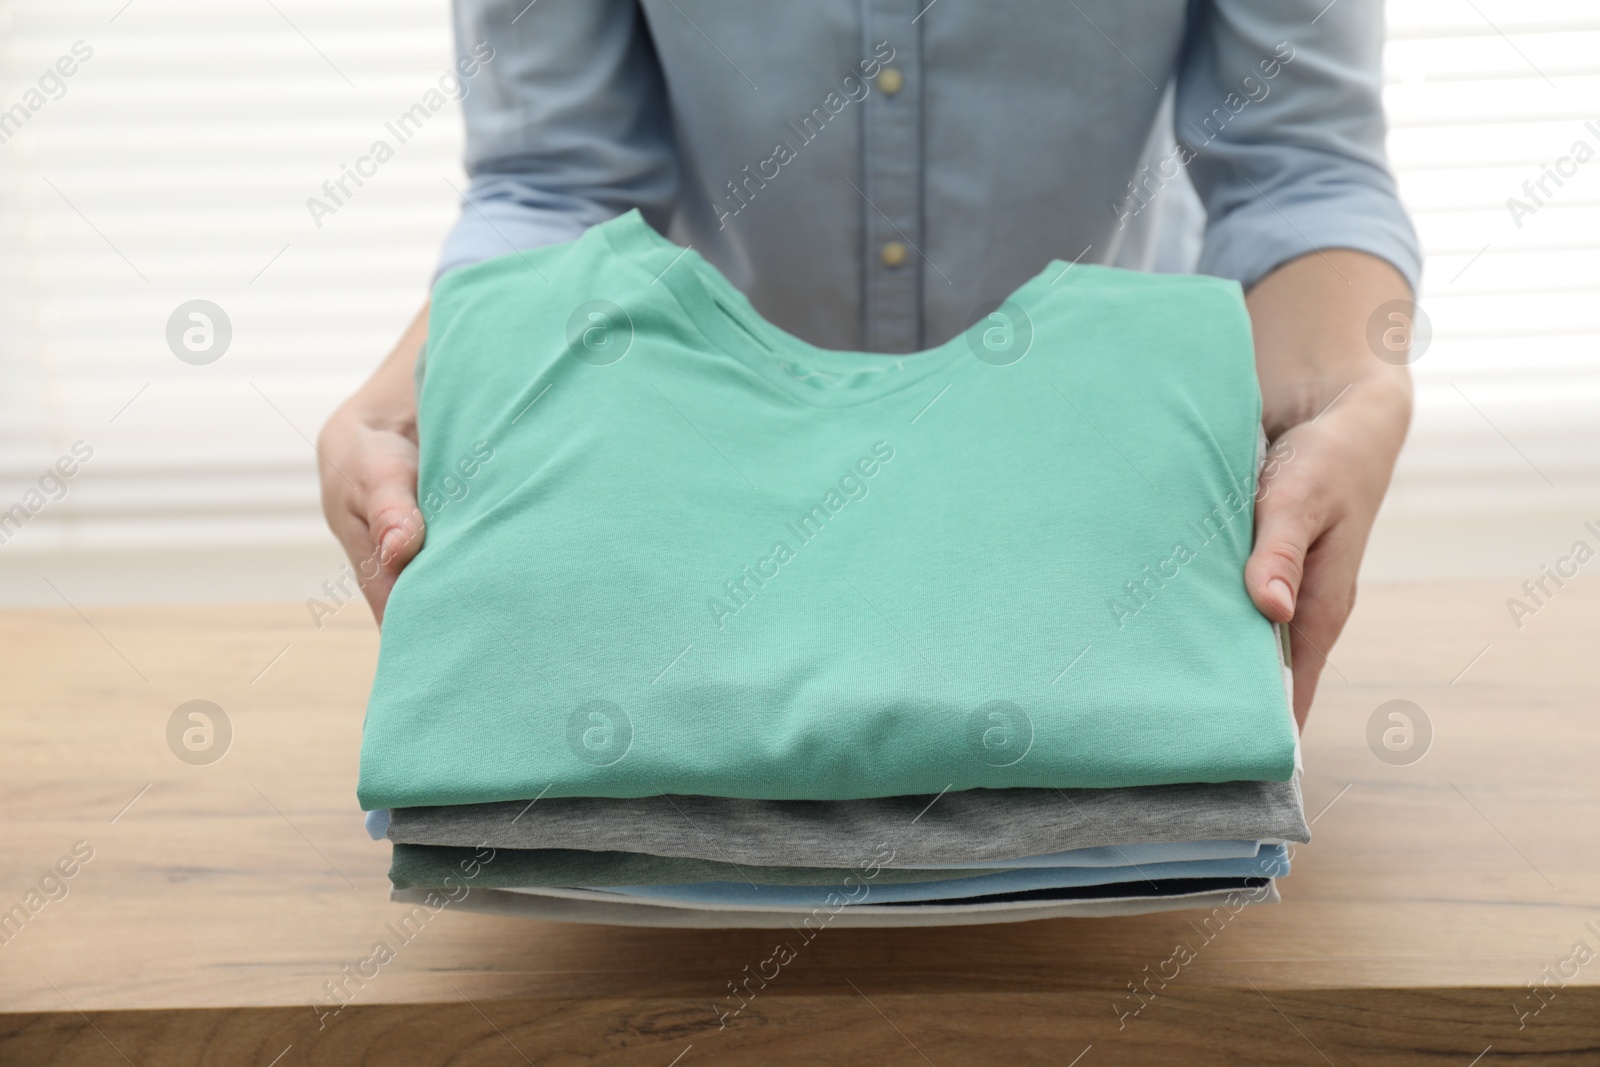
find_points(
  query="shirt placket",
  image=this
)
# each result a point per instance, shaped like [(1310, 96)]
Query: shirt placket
[(891, 181)]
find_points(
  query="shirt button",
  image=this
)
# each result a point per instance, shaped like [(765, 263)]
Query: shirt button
[(893, 254), (890, 80)]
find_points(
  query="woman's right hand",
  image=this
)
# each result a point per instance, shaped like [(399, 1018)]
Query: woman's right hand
[(367, 461)]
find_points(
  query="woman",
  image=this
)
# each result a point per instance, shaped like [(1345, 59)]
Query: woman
[(872, 173)]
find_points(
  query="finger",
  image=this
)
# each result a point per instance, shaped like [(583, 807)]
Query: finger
[(388, 499), (356, 537), (1288, 522), (395, 524), (1328, 596), (393, 531)]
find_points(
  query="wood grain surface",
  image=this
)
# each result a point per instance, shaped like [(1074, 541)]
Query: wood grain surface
[(1435, 918)]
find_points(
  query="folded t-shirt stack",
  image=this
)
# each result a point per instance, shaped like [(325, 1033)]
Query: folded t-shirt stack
[(713, 627)]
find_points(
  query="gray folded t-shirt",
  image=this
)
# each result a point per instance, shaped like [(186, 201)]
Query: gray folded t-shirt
[(516, 868), (975, 825)]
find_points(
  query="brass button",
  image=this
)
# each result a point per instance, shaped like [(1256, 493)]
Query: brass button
[(893, 254), (890, 80)]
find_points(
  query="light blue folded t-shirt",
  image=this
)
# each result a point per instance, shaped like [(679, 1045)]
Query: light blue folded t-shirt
[(1271, 862)]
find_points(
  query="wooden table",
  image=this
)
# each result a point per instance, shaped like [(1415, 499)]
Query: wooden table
[(219, 898)]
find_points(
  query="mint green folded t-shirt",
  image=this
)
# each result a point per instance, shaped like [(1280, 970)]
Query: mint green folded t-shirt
[(674, 549)]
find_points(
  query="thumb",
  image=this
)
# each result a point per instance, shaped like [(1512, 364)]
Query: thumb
[(396, 524), (1285, 528)]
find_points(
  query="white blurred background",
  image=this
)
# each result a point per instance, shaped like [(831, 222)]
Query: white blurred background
[(176, 163)]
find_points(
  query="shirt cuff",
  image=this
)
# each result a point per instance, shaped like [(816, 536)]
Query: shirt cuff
[(1250, 241), (500, 216)]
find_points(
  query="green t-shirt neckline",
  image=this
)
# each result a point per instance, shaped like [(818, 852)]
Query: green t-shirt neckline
[(727, 320)]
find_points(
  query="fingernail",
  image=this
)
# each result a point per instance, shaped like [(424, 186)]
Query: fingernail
[(391, 544), (1279, 591)]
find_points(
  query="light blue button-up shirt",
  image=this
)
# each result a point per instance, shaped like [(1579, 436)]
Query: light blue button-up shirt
[(872, 172)]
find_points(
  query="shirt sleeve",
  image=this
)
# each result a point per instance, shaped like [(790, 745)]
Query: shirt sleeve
[(1279, 108), (566, 124)]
